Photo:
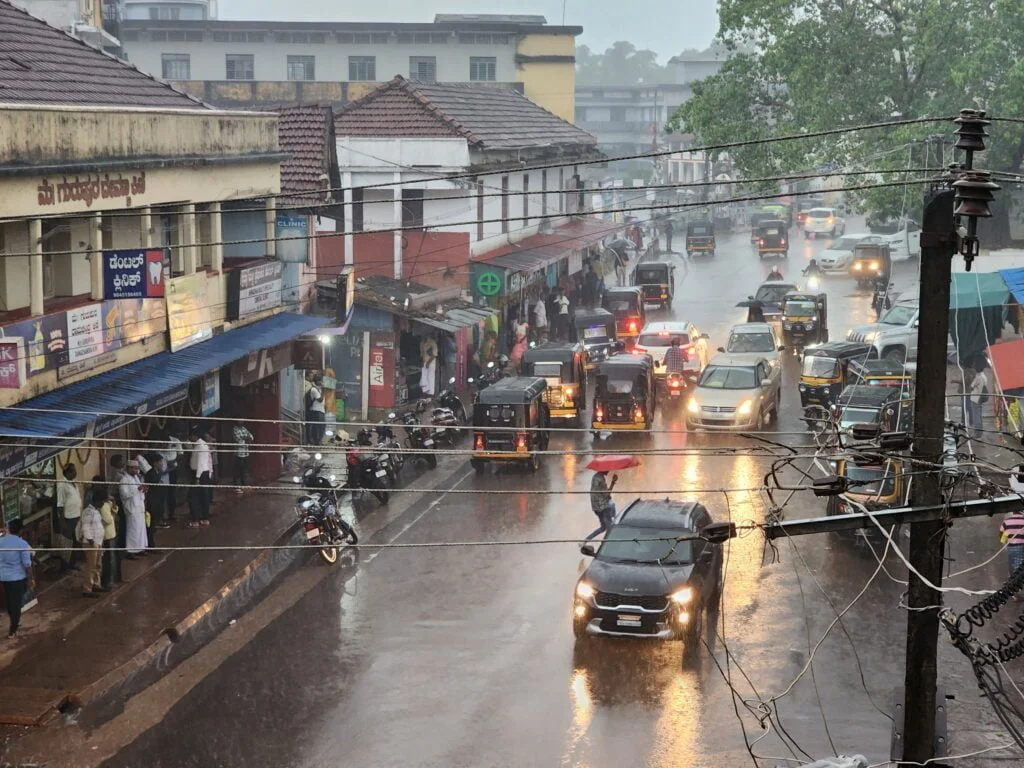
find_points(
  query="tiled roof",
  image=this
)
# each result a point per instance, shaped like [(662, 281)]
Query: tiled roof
[(304, 132), (39, 64), (488, 116)]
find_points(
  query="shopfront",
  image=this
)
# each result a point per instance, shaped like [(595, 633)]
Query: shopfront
[(511, 284)]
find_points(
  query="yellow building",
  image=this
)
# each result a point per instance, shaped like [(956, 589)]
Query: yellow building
[(546, 66)]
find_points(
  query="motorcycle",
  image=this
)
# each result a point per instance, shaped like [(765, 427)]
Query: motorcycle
[(324, 528), (391, 449), (675, 386), (448, 399), (880, 301), (367, 469), (419, 438), (491, 374)]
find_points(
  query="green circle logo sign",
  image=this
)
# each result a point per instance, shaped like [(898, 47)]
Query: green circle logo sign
[(489, 284)]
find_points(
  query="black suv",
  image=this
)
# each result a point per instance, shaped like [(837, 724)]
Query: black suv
[(644, 582)]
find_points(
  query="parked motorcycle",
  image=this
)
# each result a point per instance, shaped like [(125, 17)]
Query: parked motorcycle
[(324, 527), (367, 469), (448, 399), (491, 374), (419, 438), (390, 448)]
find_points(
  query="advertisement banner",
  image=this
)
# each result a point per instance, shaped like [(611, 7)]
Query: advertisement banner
[(211, 392), (255, 288), (380, 370), (188, 313), (133, 274), (141, 319), (292, 233), (46, 341), (12, 363), (85, 332)]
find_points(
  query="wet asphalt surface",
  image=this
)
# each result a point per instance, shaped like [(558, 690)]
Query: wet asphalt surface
[(465, 656)]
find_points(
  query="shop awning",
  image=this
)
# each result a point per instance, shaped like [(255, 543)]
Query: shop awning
[(971, 290), (454, 319), (107, 401), (1014, 279), (527, 260), (1008, 362)]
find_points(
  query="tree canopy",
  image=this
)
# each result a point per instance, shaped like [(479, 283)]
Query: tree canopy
[(808, 65), (622, 64)]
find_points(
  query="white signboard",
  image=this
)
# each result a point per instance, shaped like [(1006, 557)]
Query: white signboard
[(85, 332)]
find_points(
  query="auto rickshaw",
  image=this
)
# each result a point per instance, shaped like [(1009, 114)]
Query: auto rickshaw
[(873, 484), (563, 367), (782, 211), (700, 238), (884, 408), (595, 330), (627, 304), (871, 261), (656, 281), (884, 372), (756, 220), (772, 238), (625, 397), (804, 319), (510, 421), (825, 371)]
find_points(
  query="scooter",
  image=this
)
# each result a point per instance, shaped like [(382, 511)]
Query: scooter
[(419, 438)]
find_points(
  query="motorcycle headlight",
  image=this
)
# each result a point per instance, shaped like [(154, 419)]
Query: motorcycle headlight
[(318, 456), (584, 590), (803, 388), (693, 406), (745, 408), (682, 596)]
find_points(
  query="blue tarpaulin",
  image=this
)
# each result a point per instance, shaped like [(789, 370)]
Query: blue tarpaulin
[(1014, 279)]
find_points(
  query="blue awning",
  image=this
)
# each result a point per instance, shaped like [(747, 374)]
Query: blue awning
[(1014, 279), (105, 402)]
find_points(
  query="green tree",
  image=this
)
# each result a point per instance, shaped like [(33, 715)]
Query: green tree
[(622, 64), (808, 65)]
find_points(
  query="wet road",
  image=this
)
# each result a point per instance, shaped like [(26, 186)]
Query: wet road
[(465, 656)]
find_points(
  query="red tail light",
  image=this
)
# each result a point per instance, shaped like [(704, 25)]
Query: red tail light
[(521, 441), (638, 350), (762, 241), (783, 241), (478, 441), (633, 326), (675, 383), (598, 413)]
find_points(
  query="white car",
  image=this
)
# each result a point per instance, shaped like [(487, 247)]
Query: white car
[(735, 394), (823, 221), (905, 243), (839, 254), (750, 342), (656, 338)]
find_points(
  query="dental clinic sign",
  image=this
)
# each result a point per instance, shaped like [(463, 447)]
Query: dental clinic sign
[(135, 274)]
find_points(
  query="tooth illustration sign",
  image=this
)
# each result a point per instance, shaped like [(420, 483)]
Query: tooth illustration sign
[(135, 274)]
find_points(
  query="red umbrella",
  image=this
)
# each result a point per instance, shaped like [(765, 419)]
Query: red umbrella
[(610, 463)]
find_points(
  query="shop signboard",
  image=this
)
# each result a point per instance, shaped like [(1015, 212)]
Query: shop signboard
[(85, 332), (45, 339), (110, 422), (188, 311), (12, 363), (380, 370), (487, 280), (255, 288), (517, 281), (308, 354), (260, 364), (292, 233), (133, 274), (211, 392)]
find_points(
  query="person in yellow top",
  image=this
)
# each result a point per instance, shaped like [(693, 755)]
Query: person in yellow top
[(99, 497)]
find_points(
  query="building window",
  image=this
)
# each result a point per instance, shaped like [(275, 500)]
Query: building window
[(504, 204), (302, 68), (526, 199), (412, 208), (618, 114), (479, 209), (240, 66), (362, 68), (482, 67), (543, 191), (423, 68), (176, 66)]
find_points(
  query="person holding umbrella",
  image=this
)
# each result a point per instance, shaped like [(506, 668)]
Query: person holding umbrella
[(601, 491)]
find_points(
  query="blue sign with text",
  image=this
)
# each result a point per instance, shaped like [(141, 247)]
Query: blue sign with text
[(135, 274)]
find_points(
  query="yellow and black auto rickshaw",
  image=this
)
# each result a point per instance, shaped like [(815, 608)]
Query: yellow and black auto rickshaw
[(871, 262), (624, 395), (872, 484), (884, 372), (510, 423), (700, 238), (627, 304), (563, 367), (772, 239), (804, 319), (656, 281), (825, 371), (595, 330)]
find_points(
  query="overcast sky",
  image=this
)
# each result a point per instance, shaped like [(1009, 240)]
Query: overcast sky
[(665, 26)]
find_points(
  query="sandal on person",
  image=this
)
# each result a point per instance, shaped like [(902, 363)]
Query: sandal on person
[(193, 524)]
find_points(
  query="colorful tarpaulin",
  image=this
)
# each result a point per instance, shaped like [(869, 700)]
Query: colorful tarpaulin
[(1008, 362)]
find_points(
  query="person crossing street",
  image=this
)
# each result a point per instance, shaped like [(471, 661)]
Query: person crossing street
[(601, 502)]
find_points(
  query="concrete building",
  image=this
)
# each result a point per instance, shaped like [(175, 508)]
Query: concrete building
[(94, 21), (119, 298), (252, 63)]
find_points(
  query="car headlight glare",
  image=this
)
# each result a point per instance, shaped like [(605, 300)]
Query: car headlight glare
[(682, 596), (857, 267), (745, 408), (693, 406), (584, 590)]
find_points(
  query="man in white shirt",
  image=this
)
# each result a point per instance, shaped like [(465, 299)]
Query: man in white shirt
[(562, 324), (976, 400), (173, 453), (540, 317), (201, 463), (69, 509), (315, 413), (133, 507)]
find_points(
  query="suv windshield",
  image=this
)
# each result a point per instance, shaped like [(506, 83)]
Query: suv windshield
[(631, 544), (651, 275), (820, 367), (901, 314), (750, 342), (723, 377), (798, 308), (663, 339), (772, 293), (876, 481)]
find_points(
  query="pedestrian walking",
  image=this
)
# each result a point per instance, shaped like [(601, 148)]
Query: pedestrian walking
[(977, 392), (243, 439), (315, 415), (562, 307), (670, 230), (69, 511), (15, 572), (1011, 532), (90, 535), (601, 502), (99, 497), (133, 506), (201, 463), (540, 319)]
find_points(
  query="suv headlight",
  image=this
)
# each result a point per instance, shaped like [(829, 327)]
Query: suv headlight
[(585, 591), (682, 596)]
